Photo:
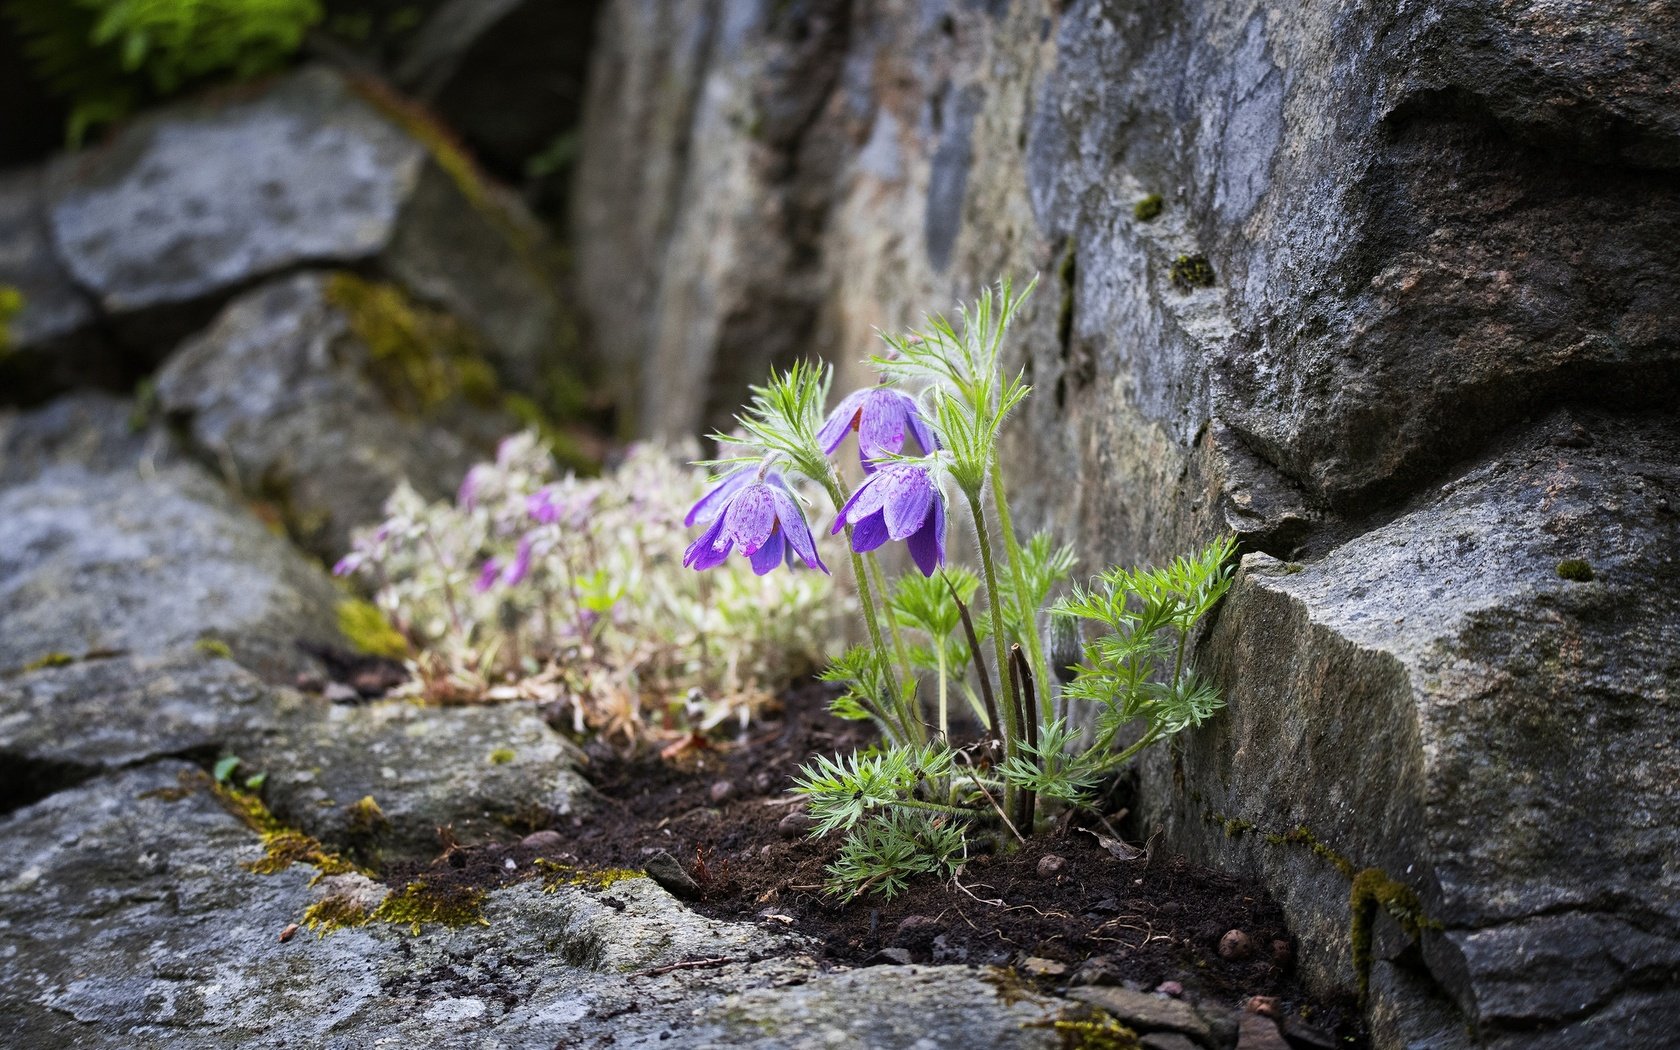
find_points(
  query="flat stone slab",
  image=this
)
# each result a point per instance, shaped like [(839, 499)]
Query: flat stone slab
[(127, 920)]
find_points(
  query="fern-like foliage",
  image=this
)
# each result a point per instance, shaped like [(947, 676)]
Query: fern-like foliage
[(109, 56), (888, 850)]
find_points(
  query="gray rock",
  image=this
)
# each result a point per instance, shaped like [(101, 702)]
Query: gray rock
[(488, 772), (193, 202), (1432, 225), (1148, 1013), (908, 1007), (99, 432), (53, 340), (128, 921), (288, 399), (670, 874), (1477, 728), (143, 559), (60, 725)]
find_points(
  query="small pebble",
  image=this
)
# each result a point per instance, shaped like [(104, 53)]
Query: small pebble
[(1037, 967), (288, 933), (889, 957), (1282, 952), (1264, 1005), (1050, 865), (794, 824), (917, 933), (541, 840), (1170, 988), (1235, 945), (722, 790)]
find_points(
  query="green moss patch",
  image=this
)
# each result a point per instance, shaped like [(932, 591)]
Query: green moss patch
[(1575, 570), (365, 627), (11, 304), (555, 875), (419, 357), (420, 903), (1190, 272), (1148, 208)]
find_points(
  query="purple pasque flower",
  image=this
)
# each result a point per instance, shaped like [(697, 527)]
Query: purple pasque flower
[(709, 506), (758, 515), (882, 416), (900, 501)]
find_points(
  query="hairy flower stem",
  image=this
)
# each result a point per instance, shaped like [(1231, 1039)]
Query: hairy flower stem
[(1028, 614), (892, 624), (1012, 723), (860, 570)]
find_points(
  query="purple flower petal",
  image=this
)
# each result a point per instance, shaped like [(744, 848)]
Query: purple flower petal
[(347, 565), (864, 502), (702, 549), (910, 492), (869, 533), (799, 539), (488, 575), (467, 495), (927, 544), (881, 424), (768, 556), (841, 421), (750, 517), (925, 436), (520, 567), (711, 504)]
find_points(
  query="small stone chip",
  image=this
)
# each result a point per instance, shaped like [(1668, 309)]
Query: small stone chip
[(1050, 865), (1037, 967), (289, 932), (1235, 945)]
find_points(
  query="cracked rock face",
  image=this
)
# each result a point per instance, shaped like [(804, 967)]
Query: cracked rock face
[(145, 557), (282, 390), (148, 234), (1436, 699), (1430, 228)]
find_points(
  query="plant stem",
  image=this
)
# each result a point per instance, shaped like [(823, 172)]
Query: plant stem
[(944, 706), (912, 726), (1012, 727), (1029, 616), (892, 623)]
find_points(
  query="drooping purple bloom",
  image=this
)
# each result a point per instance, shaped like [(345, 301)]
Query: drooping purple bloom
[(520, 567), (467, 495), (488, 575), (348, 564), (758, 515), (900, 501), (709, 506), (882, 417)]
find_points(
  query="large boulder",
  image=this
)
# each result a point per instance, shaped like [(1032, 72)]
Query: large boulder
[(1298, 269), (1460, 728), (320, 393), (189, 204), (140, 555)]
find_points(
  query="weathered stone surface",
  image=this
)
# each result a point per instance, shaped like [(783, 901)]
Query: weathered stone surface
[(689, 99), (283, 393), (487, 772), (99, 432), (909, 1006), (60, 725), (52, 341), (1429, 226), (128, 921), (142, 557), (1153, 1013), (1434, 700), (189, 204)]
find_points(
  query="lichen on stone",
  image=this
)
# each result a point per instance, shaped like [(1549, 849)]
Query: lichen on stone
[(283, 846), (1100, 1032), (1576, 570), (419, 357), (366, 818), (1373, 889), (1148, 208), (420, 903), (1189, 272), (53, 659), (365, 627), (214, 647), (502, 756), (555, 875), (11, 304)]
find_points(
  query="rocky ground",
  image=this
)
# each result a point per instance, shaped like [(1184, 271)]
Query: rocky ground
[(1388, 292)]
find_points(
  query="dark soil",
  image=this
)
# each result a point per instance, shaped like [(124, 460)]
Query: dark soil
[(722, 809)]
